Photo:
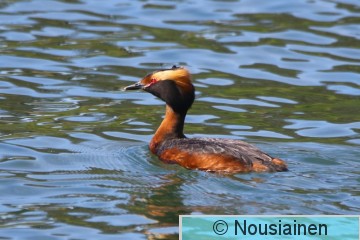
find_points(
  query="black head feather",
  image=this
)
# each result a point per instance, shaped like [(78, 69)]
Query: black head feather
[(168, 91)]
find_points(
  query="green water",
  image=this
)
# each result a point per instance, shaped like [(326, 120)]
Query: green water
[(74, 162)]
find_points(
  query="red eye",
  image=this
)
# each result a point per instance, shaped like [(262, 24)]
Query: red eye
[(152, 81)]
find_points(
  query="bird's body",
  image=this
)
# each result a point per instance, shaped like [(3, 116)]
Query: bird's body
[(216, 155), (209, 154)]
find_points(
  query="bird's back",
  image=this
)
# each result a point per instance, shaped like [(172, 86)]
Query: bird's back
[(218, 155)]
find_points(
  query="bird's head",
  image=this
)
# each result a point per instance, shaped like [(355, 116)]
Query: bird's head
[(171, 85)]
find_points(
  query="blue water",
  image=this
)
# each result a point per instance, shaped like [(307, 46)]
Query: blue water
[(74, 162)]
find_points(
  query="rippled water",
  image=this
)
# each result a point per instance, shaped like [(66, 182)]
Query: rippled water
[(74, 162)]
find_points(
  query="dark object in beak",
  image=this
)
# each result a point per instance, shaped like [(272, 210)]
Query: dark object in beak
[(135, 86)]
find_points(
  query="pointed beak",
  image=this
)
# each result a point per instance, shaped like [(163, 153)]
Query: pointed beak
[(135, 86)]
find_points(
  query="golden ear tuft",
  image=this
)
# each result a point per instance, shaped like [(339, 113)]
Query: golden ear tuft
[(177, 74)]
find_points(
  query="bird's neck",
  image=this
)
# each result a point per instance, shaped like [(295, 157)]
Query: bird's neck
[(171, 127)]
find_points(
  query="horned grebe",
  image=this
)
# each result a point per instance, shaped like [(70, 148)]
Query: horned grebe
[(209, 154)]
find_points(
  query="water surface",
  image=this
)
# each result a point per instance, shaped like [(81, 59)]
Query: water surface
[(74, 162)]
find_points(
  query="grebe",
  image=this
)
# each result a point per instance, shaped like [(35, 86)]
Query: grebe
[(169, 143)]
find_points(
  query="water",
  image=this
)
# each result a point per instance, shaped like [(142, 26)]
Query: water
[(74, 163)]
